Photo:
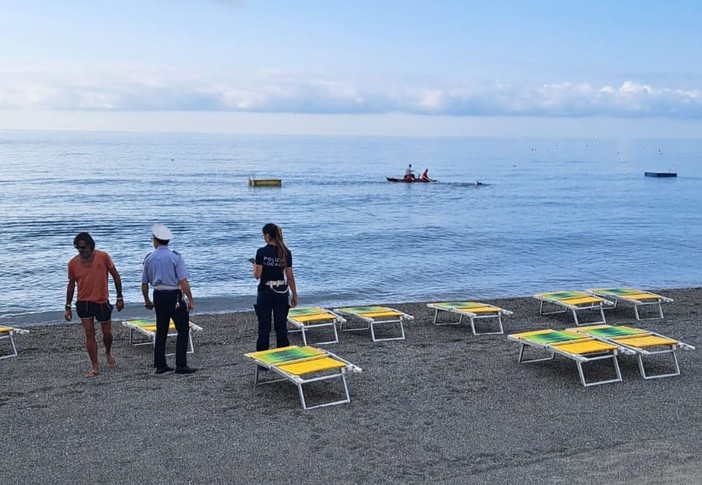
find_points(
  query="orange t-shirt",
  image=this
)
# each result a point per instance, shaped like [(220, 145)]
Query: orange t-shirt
[(91, 276)]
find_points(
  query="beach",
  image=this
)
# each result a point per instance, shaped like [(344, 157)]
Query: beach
[(442, 406)]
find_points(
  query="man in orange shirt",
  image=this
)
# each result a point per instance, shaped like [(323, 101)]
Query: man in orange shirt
[(89, 270)]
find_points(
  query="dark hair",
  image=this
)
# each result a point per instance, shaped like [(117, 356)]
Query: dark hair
[(276, 234), (162, 242), (86, 238)]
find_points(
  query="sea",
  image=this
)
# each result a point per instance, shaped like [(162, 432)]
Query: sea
[(548, 214)]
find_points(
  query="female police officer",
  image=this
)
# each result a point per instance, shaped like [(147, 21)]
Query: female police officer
[(273, 267)]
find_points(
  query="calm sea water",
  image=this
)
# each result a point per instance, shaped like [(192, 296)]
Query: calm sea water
[(553, 214)]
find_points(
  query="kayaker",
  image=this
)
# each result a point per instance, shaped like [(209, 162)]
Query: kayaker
[(409, 173)]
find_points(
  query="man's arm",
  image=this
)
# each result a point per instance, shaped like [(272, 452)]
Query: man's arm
[(118, 287), (145, 293), (67, 314), (185, 286)]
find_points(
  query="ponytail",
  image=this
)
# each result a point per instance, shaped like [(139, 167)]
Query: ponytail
[(276, 234)]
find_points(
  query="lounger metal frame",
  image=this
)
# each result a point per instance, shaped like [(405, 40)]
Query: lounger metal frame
[(299, 381), (397, 317), (9, 335), (667, 346), (151, 335), (579, 359), (583, 302), (326, 318), (655, 300), (478, 312)]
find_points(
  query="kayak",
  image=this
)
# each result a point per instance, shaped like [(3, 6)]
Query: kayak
[(392, 179)]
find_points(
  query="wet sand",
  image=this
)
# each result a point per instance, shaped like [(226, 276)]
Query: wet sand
[(441, 406)]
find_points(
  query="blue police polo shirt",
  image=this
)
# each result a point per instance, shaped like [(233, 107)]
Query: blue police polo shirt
[(164, 267)]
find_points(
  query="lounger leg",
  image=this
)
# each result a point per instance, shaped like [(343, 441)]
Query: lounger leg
[(190, 342), (346, 399), (521, 359), (436, 319), (575, 317), (304, 335), (675, 361), (659, 308), (499, 323), (14, 349), (607, 381), (402, 331), (555, 312)]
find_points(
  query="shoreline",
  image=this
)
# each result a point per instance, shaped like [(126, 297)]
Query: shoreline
[(441, 406)]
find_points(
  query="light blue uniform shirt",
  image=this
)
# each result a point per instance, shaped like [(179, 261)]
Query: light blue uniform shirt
[(164, 267)]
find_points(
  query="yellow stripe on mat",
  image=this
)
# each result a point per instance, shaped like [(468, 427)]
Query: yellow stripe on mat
[(587, 347), (310, 366), (6, 329), (581, 300), (390, 313), (480, 309), (312, 318), (646, 341)]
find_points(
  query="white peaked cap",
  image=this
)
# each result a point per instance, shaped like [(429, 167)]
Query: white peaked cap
[(160, 231)]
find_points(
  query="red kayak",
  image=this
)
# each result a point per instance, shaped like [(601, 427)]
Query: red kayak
[(410, 181)]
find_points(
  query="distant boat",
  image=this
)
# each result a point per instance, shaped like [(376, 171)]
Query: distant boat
[(410, 181), (265, 182), (660, 174)]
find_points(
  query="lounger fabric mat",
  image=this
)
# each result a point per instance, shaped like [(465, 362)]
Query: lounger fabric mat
[(6, 329), (468, 306), (631, 293), (549, 337), (286, 354), (313, 365)]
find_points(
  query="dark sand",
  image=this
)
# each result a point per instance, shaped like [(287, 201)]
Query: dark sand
[(442, 406)]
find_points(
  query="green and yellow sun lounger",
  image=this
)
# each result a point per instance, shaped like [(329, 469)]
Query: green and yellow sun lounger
[(574, 301), (638, 298), (376, 315), (147, 328), (575, 346), (307, 318), (302, 366), (473, 310), (8, 333), (640, 342)]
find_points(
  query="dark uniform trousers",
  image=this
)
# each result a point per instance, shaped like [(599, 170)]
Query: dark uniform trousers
[(267, 302), (169, 305)]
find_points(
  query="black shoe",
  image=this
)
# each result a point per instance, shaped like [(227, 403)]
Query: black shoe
[(185, 370), (164, 369)]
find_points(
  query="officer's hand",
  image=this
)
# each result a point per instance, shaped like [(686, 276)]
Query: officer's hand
[(148, 305)]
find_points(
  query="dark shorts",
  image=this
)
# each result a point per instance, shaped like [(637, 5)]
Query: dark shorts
[(102, 312)]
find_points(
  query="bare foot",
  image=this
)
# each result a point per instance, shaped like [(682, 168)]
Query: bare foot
[(111, 360), (92, 373)]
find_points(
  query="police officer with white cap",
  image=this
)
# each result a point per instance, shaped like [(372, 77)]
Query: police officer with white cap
[(165, 270)]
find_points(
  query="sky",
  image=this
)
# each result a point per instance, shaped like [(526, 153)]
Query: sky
[(627, 68)]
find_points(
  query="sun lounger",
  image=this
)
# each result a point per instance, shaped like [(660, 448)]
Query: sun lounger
[(301, 366), (472, 310), (641, 342), (638, 298), (574, 301), (376, 315), (307, 318), (8, 333), (575, 346), (147, 328)]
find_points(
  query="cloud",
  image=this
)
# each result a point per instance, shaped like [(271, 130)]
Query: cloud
[(111, 87)]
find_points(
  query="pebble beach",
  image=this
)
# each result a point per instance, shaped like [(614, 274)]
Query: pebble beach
[(441, 406)]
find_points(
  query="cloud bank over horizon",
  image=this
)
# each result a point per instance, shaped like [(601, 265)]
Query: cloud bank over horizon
[(117, 87)]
